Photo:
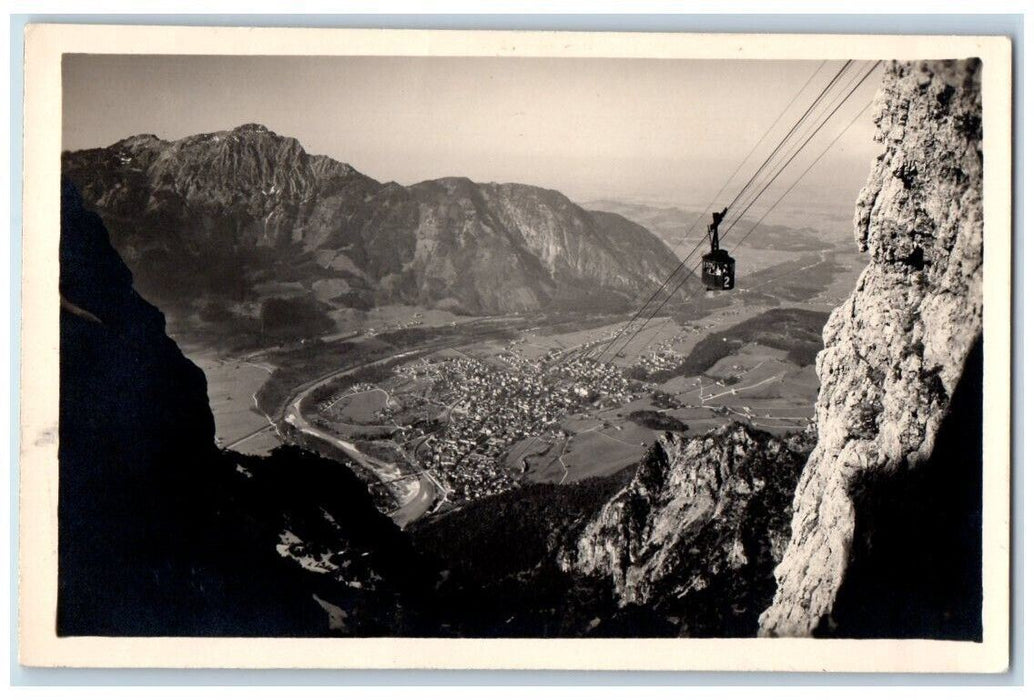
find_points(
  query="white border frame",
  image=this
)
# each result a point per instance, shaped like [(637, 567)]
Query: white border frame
[(39, 401)]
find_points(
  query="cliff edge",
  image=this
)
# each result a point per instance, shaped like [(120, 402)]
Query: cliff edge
[(886, 516), (160, 533)]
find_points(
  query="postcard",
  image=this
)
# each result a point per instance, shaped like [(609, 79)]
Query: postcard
[(405, 349)]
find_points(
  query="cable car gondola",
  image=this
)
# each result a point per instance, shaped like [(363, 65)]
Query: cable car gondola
[(718, 268)]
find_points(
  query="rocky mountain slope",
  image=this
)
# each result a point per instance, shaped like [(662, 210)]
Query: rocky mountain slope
[(162, 534), (699, 529), (886, 524), (240, 214)]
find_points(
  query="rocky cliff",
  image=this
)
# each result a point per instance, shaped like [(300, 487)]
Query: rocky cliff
[(886, 522), (162, 534), (699, 529), (235, 213)]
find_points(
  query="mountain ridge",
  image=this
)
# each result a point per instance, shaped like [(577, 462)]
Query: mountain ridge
[(699, 529), (256, 203)]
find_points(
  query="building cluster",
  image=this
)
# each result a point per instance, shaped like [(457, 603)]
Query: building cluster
[(659, 361), (497, 404), (663, 356)]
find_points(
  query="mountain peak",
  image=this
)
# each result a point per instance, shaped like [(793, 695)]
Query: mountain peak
[(483, 248), (138, 141), (251, 127), (699, 511)]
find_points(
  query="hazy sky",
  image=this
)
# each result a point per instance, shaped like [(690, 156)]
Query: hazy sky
[(664, 130)]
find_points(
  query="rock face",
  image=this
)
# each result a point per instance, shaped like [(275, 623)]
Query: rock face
[(222, 213), (699, 529), (162, 534), (885, 538)]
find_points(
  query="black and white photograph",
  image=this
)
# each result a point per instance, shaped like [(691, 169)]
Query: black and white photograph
[(524, 344)]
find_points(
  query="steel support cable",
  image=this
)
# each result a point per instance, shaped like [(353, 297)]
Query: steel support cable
[(819, 114), (638, 314), (812, 136), (642, 308), (761, 140), (645, 304), (797, 126), (753, 177), (681, 266), (690, 274), (802, 147), (792, 130), (801, 176)]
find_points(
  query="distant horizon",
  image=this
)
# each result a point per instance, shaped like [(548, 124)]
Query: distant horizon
[(590, 128), (645, 200)]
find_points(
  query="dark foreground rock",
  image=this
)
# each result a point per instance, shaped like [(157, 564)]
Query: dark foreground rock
[(162, 534)]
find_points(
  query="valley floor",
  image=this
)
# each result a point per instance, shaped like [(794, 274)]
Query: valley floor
[(457, 414)]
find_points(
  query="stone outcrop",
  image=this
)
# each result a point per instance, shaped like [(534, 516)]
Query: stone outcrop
[(699, 529), (885, 536)]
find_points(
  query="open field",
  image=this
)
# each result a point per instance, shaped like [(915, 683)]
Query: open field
[(823, 279), (361, 408), (232, 384), (381, 319), (605, 451), (260, 443), (542, 458)]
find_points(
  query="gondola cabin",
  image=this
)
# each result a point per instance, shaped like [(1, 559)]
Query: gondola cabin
[(718, 270), (717, 267)]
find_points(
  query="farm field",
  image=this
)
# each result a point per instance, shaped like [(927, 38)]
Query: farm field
[(360, 408), (232, 384), (260, 443), (754, 383)]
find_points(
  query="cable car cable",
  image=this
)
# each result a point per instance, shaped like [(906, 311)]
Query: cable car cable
[(758, 143), (739, 167), (782, 159), (753, 177), (638, 314), (660, 306), (718, 267), (801, 176), (793, 128), (797, 152)]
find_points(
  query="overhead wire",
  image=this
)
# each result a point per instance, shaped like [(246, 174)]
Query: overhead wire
[(801, 148), (793, 129), (771, 181), (728, 180), (801, 176), (811, 109), (815, 116)]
